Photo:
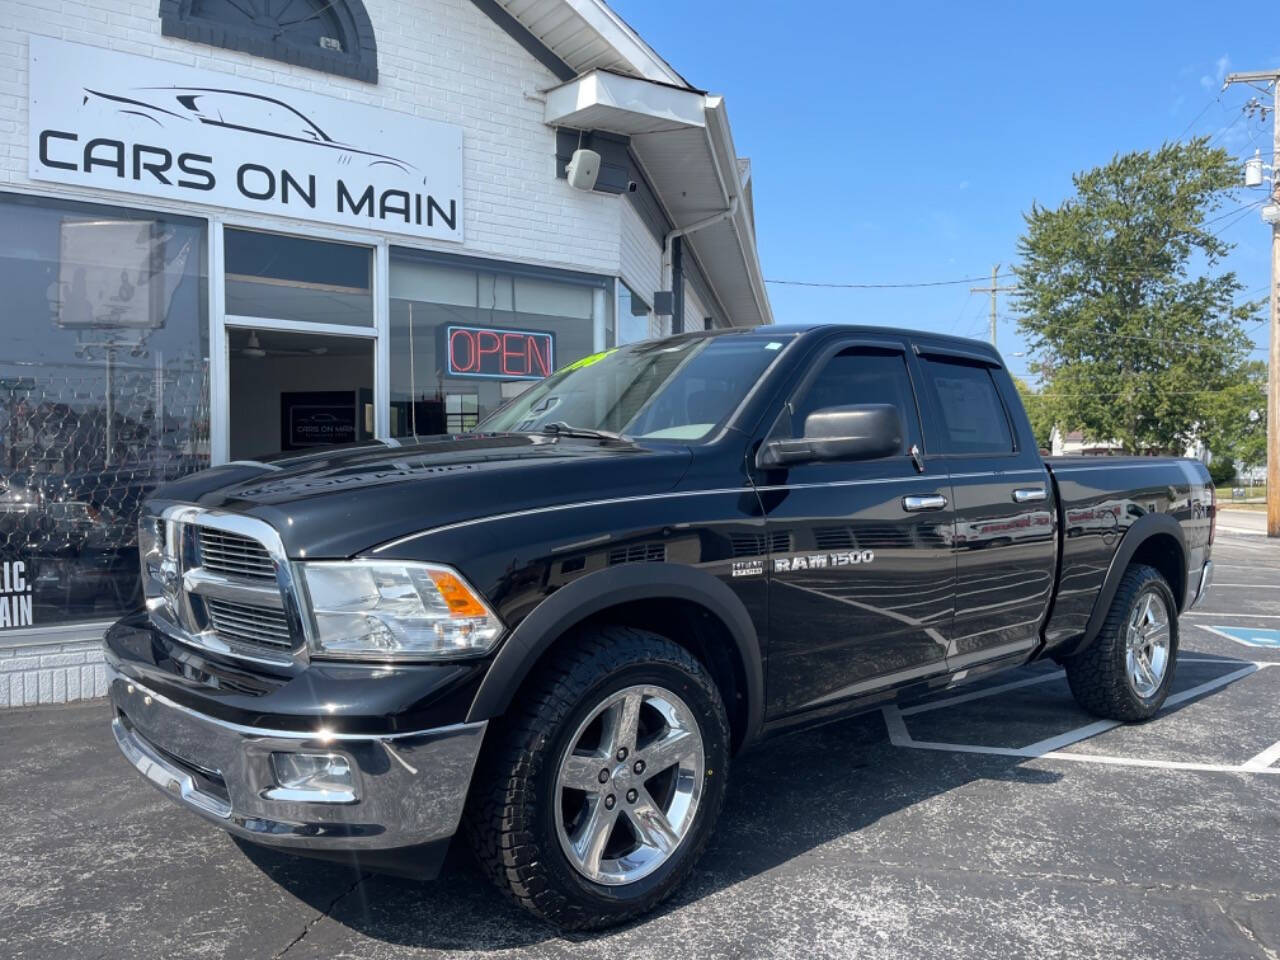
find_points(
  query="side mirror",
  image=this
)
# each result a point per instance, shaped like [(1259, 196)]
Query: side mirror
[(867, 431)]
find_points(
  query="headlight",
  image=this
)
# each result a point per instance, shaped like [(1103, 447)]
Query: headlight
[(395, 610)]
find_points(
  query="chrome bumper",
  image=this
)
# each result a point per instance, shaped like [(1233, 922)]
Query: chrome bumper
[(409, 788), (1206, 581)]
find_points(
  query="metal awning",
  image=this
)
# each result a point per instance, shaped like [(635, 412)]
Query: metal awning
[(681, 138)]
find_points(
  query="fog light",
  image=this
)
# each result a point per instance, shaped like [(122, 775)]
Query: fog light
[(312, 778)]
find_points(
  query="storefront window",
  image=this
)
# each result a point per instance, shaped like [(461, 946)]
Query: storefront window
[(103, 395), (278, 277), (465, 340)]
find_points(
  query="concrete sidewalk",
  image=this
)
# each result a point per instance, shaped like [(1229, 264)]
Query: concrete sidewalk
[(1242, 521)]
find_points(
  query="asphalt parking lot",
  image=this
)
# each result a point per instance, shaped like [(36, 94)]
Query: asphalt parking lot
[(998, 821)]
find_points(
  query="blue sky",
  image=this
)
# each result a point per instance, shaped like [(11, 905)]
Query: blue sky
[(902, 142)]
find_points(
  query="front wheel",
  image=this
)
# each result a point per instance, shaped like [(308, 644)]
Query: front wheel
[(607, 780), (1127, 672)]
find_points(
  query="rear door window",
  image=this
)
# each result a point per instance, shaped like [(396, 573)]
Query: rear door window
[(971, 417)]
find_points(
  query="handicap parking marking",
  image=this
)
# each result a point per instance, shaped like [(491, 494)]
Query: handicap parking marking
[(1249, 636), (1053, 747)]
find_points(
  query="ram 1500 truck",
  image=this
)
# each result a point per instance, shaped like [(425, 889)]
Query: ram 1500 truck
[(553, 633)]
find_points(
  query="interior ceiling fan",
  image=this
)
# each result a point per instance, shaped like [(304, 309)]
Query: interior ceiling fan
[(254, 349)]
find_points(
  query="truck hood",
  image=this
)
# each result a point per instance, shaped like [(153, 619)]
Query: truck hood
[(346, 500)]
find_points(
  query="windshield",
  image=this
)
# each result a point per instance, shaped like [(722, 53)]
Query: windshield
[(679, 389)]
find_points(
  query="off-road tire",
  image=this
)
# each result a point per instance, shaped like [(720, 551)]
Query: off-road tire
[(510, 814), (1098, 676)]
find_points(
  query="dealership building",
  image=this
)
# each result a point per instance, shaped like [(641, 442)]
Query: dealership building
[(232, 227)]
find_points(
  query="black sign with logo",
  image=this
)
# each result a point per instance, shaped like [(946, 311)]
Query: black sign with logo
[(317, 419)]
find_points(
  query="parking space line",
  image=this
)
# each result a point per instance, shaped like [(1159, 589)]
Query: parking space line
[(1153, 764), (1053, 744), (1051, 748), (1265, 759), (1259, 616)]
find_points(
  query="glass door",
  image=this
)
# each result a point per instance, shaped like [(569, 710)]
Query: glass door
[(299, 343)]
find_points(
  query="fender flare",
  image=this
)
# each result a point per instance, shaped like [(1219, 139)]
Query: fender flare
[(597, 591), (1143, 529)]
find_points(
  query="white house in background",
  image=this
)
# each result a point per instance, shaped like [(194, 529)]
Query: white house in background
[(1074, 443)]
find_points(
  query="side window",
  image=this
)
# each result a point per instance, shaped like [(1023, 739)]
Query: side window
[(862, 375), (972, 418)]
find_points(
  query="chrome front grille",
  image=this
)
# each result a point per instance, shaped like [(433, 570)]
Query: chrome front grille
[(245, 623), (234, 555), (221, 582)]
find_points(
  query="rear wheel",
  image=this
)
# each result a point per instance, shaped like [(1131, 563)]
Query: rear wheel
[(1127, 672), (607, 780)]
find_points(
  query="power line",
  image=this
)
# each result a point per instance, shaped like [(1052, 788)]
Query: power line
[(1187, 128), (879, 286), (1050, 395), (1172, 341), (1224, 130), (1247, 210), (1233, 210), (1008, 274)]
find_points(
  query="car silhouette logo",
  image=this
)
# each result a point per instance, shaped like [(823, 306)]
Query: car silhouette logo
[(237, 110)]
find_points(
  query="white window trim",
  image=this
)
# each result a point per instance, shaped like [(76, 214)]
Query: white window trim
[(220, 322)]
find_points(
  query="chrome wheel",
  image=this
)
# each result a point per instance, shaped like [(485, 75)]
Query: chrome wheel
[(1147, 645), (628, 785)]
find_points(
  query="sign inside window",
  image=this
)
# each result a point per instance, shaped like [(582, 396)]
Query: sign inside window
[(15, 595), (498, 354), (317, 419)]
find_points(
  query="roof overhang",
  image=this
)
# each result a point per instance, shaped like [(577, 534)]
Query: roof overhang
[(587, 34), (681, 138)]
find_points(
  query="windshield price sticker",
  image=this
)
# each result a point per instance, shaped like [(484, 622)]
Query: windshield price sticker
[(15, 595)]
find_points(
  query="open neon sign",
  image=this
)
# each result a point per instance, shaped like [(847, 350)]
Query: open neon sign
[(498, 354)]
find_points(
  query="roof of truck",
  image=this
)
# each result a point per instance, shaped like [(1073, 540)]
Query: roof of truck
[(811, 329)]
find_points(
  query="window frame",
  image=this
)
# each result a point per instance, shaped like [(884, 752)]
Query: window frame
[(819, 363), (938, 439)]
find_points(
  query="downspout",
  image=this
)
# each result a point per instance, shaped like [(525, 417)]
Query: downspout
[(685, 231), (731, 207)]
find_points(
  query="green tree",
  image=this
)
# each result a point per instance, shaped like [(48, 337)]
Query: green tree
[(1235, 425), (1040, 415), (1127, 326)]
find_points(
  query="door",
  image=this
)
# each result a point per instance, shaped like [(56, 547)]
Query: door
[(1005, 539), (862, 580), (294, 391)]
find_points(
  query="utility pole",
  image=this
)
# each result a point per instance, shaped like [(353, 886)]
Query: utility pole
[(1271, 214), (993, 290)]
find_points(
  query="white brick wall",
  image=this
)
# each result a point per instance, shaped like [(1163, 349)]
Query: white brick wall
[(437, 59), (56, 672)]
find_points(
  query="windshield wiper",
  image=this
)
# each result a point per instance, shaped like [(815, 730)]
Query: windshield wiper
[(560, 428)]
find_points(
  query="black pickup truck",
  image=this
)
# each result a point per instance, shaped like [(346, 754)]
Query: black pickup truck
[(555, 632)]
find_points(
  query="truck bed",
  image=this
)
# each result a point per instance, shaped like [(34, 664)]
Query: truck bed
[(1099, 500)]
